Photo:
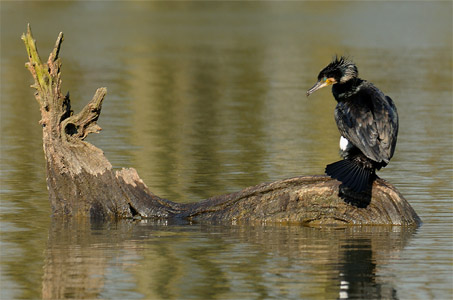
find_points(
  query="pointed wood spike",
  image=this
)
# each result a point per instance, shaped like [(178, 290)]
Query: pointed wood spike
[(56, 49)]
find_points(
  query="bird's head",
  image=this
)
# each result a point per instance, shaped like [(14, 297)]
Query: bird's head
[(340, 70)]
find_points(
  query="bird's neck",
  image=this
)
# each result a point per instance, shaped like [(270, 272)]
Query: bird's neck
[(343, 91)]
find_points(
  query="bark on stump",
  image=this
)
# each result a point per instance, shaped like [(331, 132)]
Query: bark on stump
[(82, 183)]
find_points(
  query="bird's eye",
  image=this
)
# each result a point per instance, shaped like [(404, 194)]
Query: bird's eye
[(324, 79)]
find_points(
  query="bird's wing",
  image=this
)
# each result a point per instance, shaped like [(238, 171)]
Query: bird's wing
[(372, 127)]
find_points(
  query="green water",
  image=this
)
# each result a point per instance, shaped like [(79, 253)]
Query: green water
[(209, 98)]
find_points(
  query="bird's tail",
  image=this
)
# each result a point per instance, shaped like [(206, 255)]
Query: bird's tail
[(351, 174)]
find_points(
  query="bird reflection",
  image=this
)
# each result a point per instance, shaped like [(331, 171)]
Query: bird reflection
[(357, 277)]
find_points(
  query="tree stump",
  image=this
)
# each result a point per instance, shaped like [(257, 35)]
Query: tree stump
[(82, 182)]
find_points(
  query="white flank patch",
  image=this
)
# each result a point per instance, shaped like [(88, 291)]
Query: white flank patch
[(343, 143)]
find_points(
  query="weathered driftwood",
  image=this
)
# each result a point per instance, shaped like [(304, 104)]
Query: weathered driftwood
[(82, 183)]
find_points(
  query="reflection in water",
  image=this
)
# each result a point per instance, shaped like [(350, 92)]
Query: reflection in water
[(168, 261), (358, 273)]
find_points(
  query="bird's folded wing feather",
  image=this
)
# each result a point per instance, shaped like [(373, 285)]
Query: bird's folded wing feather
[(371, 127)]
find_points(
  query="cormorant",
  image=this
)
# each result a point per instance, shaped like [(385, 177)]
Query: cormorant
[(367, 120)]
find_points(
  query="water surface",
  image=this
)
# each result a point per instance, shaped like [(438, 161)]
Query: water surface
[(209, 98)]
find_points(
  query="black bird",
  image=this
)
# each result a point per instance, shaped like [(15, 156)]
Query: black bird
[(367, 120)]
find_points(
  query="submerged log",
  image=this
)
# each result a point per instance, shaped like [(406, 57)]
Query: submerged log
[(82, 182)]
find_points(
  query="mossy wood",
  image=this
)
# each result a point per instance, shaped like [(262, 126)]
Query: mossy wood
[(82, 183)]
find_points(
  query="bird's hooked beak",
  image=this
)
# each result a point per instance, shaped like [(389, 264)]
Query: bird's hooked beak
[(320, 84)]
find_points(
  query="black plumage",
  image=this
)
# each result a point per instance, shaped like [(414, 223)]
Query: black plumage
[(366, 118)]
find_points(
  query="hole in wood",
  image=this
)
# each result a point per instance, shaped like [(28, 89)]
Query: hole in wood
[(70, 129)]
